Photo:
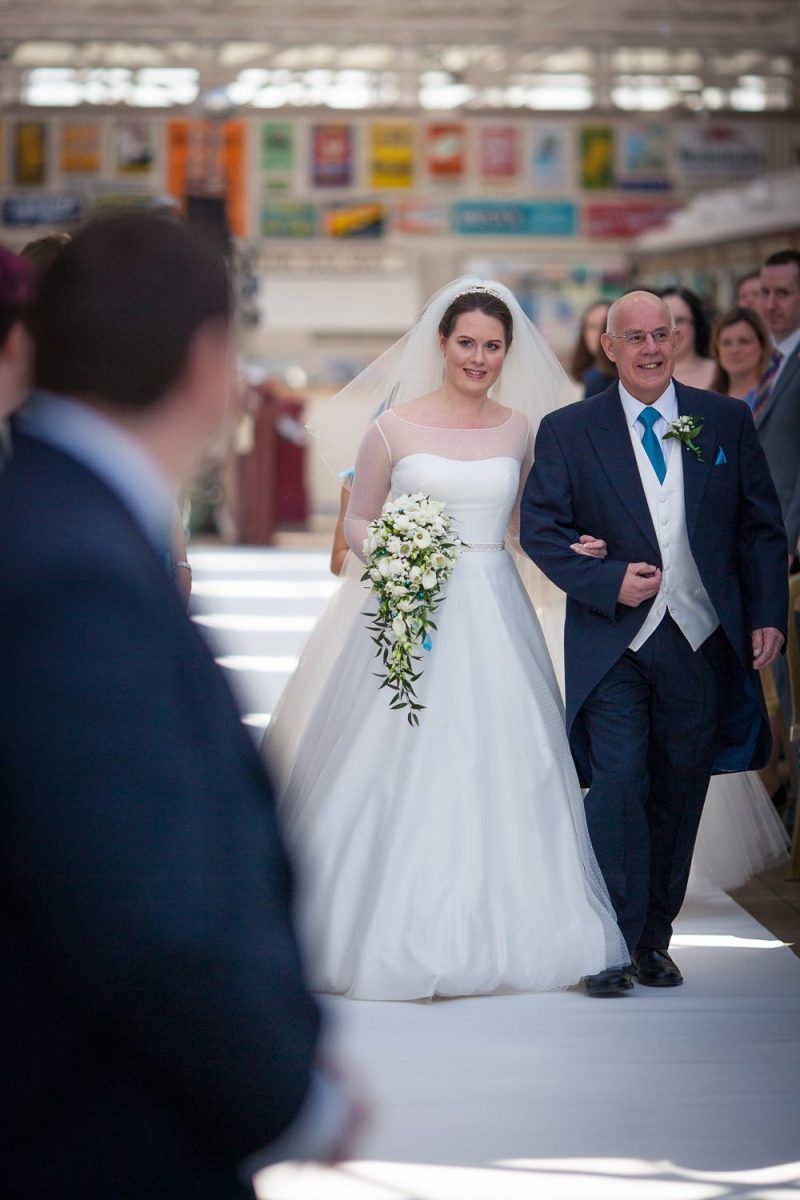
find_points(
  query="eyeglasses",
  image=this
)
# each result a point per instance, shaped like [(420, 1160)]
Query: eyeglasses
[(638, 337)]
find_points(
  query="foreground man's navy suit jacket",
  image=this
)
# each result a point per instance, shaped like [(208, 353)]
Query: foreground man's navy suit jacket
[(154, 1025)]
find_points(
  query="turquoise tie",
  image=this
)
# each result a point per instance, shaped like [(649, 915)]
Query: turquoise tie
[(651, 443)]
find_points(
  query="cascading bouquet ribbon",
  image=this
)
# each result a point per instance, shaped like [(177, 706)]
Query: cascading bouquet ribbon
[(410, 551)]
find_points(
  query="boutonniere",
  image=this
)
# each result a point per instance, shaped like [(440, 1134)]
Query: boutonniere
[(685, 430)]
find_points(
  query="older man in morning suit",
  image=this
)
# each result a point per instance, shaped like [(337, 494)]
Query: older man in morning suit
[(664, 636)]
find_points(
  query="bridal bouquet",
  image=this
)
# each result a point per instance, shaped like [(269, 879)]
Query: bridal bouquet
[(411, 549)]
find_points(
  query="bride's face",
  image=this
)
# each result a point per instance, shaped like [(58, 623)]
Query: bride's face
[(474, 353)]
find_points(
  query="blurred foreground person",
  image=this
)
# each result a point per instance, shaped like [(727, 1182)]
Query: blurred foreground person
[(16, 348), (157, 1038)]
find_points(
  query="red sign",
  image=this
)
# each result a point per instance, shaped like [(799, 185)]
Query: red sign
[(499, 152), (445, 150), (624, 218)]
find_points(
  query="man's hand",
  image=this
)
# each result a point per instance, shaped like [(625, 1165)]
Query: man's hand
[(641, 582), (591, 546), (767, 645)]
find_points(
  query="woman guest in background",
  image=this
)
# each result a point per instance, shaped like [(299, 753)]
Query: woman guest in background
[(747, 291), (17, 278), (740, 345), (589, 366), (692, 366)]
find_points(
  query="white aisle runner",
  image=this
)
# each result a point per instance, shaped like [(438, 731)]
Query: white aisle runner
[(686, 1094)]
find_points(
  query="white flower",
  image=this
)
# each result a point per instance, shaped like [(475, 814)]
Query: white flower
[(398, 627), (402, 523), (398, 567), (375, 575), (429, 580), (415, 572), (422, 539), (393, 545), (385, 567)]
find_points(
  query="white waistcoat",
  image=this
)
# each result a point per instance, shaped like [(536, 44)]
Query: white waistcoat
[(681, 593)]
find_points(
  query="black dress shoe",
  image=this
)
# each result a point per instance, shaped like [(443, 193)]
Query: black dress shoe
[(655, 968), (614, 981)]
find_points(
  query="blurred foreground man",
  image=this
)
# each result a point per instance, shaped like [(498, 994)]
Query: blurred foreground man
[(157, 1038)]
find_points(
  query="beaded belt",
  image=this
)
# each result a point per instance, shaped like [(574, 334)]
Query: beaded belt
[(483, 546)]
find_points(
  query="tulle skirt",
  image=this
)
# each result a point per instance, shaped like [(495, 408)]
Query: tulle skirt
[(451, 859)]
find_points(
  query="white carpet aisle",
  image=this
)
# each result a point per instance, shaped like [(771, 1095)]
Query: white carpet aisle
[(691, 1094)]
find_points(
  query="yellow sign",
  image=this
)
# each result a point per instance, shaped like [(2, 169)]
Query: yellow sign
[(392, 153), (80, 147)]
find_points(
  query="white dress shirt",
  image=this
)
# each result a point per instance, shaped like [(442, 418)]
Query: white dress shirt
[(681, 594)]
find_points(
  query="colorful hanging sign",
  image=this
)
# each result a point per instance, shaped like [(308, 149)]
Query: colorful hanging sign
[(207, 158), (422, 217), (446, 149), (623, 218), (50, 209), (134, 146), (499, 152), (643, 162), (597, 157), (80, 147), (354, 220), (277, 146), (331, 156), (288, 219), (29, 153), (721, 150), (392, 152), (550, 158), (537, 218)]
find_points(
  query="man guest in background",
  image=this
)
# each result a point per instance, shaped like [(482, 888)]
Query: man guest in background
[(776, 411), (157, 1037)]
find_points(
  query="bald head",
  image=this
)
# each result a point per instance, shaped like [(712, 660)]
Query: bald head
[(624, 313), (640, 339)]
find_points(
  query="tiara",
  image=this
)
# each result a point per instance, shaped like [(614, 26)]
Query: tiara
[(481, 289)]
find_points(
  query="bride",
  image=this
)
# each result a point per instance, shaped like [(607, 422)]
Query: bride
[(451, 859)]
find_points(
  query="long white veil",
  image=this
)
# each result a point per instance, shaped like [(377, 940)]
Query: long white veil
[(532, 381)]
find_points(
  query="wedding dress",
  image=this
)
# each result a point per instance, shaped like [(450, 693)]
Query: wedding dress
[(451, 859)]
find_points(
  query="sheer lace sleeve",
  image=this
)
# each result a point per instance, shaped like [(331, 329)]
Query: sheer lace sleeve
[(512, 534), (369, 489)]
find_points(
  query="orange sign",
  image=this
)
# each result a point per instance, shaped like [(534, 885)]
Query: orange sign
[(207, 158)]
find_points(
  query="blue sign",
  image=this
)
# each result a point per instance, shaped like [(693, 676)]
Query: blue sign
[(534, 218), (42, 210)]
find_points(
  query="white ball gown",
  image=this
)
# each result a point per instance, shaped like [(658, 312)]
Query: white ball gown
[(451, 859)]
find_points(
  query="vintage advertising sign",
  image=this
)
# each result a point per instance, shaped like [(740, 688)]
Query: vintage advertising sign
[(499, 152), (331, 156), (354, 220), (446, 149), (597, 157)]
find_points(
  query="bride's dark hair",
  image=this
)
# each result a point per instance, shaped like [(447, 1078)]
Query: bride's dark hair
[(478, 301)]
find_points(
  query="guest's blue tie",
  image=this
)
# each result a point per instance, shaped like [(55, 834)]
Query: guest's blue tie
[(651, 443)]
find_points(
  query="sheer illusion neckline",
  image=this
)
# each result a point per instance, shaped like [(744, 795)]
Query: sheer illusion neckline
[(455, 428)]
